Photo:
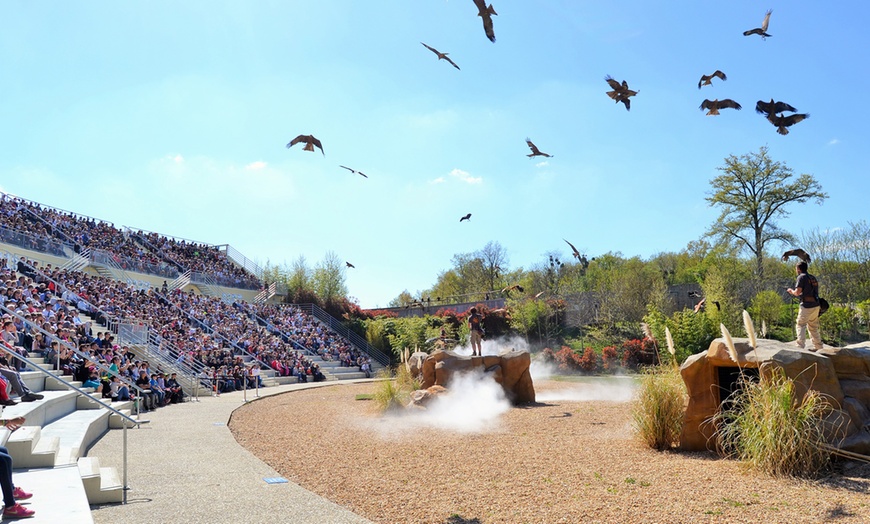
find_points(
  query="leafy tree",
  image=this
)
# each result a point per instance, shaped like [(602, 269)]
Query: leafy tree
[(766, 307), (754, 191), (328, 278), (402, 300), (494, 261)]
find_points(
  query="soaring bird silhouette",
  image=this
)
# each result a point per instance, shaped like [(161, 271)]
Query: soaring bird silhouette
[(715, 105), (574, 250), (769, 108), (309, 141), (515, 287), (708, 80), (441, 56), (535, 150), (466, 217), (486, 13), (761, 30), (348, 264), (783, 122), (800, 253), (621, 92), (360, 173)]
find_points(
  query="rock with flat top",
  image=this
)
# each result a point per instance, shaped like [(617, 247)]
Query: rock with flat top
[(510, 369)]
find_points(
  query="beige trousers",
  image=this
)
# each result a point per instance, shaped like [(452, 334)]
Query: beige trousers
[(808, 318)]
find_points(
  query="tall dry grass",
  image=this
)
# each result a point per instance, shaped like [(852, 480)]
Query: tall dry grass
[(394, 392), (658, 410), (766, 425)]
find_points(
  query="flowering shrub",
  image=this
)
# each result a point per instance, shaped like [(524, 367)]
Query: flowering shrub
[(638, 352), (609, 358), (589, 361)]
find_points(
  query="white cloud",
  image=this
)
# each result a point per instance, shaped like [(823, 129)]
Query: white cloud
[(833, 141), (177, 159), (466, 177), (439, 180), (255, 166), (542, 164)]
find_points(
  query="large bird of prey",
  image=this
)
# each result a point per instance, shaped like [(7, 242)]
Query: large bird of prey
[(349, 265), (761, 30), (515, 287), (573, 250), (309, 141), (360, 173), (707, 80), (769, 108), (441, 56), (466, 217), (535, 150), (715, 105), (783, 122), (621, 92), (486, 13), (800, 253)]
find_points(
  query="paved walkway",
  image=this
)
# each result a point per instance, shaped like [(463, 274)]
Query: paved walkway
[(185, 466)]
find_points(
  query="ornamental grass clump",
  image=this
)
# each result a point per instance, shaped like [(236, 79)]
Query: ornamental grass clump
[(388, 396), (658, 410), (765, 425)]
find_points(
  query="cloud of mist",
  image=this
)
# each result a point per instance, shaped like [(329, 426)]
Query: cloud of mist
[(595, 389), (494, 346)]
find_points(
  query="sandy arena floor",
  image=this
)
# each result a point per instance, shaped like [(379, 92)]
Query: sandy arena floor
[(570, 458)]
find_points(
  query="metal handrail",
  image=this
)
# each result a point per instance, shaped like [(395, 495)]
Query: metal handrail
[(248, 265), (284, 335), (342, 330), (59, 210), (8, 235)]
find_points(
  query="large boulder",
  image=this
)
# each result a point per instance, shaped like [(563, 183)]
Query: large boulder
[(510, 369), (842, 375)]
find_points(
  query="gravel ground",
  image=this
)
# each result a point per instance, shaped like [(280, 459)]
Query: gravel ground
[(570, 458)]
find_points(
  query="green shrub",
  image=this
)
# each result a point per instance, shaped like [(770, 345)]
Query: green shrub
[(765, 425), (658, 410), (388, 395), (838, 324), (692, 332)]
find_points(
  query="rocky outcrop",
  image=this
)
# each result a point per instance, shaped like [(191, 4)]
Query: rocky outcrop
[(509, 369), (841, 374)]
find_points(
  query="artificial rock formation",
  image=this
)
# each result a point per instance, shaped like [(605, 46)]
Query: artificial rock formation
[(841, 374), (509, 369)]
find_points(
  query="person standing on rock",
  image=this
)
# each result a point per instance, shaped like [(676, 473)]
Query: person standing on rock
[(807, 290), (475, 326)]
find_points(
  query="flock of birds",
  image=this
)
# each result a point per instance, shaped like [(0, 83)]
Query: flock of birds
[(620, 92)]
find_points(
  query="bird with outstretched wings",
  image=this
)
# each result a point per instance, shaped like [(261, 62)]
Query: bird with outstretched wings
[(713, 106), (784, 122), (574, 250), (535, 150), (485, 12), (349, 265), (466, 217), (761, 30), (441, 56), (515, 287), (798, 252), (309, 141), (769, 108), (707, 80), (620, 92), (360, 173)]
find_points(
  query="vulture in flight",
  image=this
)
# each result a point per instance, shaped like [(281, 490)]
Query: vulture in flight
[(783, 122), (360, 173), (309, 141), (466, 217), (769, 108), (535, 150), (486, 13), (707, 80), (715, 105), (621, 92), (761, 30), (574, 250), (800, 253), (441, 56), (348, 264)]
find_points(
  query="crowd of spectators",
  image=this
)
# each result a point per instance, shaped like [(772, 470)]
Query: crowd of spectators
[(42, 228)]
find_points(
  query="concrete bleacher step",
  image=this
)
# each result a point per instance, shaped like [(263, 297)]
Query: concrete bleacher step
[(76, 432), (101, 485), (29, 449), (58, 496)]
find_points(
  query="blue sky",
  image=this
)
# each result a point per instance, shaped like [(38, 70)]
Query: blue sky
[(173, 117)]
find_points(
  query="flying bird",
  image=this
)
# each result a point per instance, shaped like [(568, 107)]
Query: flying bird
[(348, 264), (760, 30), (621, 92), (486, 13), (715, 105), (466, 217), (707, 80), (535, 150), (769, 108), (441, 56), (360, 173), (309, 141), (783, 122), (574, 250), (694, 294), (515, 287), (800, 253)]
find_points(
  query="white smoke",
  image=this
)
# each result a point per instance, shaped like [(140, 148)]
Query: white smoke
[(495, 346), (592, 389)]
